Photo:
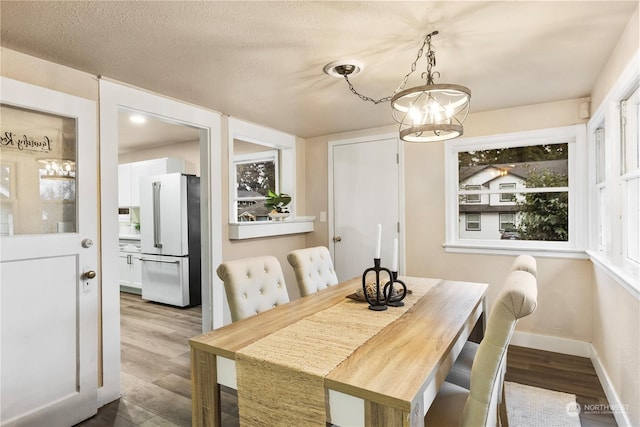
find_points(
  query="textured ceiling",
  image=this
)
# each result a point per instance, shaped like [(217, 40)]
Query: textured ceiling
[(262, 61)]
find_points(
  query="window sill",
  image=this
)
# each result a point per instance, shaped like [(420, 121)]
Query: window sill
[(252, 230), (514, 249), (625, 279)]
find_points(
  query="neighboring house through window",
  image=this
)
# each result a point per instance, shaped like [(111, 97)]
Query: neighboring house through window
[(519, 184), (256, 174)]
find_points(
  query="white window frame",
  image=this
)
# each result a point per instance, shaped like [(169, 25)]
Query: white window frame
[(467, 221), (286, 146), (500, 222), (575, 137), (606, 247), (630, 173), (473, 198), (507, 197)]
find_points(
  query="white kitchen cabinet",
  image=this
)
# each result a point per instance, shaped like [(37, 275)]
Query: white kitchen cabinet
[(129, 177), (124, 185), (130, 267)]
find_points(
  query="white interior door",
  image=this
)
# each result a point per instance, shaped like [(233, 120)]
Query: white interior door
[(48, 259), (366, 192)]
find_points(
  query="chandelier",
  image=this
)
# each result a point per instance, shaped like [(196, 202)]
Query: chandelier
[(428, 113), (57, 169)]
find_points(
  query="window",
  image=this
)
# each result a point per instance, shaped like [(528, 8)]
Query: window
[(472, 198), (473, 222), (526, 185), (614, 192), (601, 189), (266, 156), (256, 174), (507, 197), (630, 177), (507, 222)]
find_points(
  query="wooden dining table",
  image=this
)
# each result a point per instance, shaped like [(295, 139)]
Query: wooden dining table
[(326, 358)]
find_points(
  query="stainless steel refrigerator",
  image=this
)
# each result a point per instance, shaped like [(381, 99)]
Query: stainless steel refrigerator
[(170, 239)]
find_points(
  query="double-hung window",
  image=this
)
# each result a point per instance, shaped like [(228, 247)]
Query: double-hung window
[(615, 181), (630, 178), (473, 222), (528, 186)]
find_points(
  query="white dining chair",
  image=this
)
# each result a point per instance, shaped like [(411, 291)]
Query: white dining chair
[(525, 262), (478, 405), (314, 269), (253, 285), (460, 372)]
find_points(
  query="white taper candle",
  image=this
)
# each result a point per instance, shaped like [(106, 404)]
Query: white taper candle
[(379, 241)]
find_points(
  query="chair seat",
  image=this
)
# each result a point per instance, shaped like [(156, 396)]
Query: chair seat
[(448, 406), (460, 373)]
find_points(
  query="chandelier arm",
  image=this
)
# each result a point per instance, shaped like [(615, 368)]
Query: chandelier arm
[(364, 97), (430, 60)]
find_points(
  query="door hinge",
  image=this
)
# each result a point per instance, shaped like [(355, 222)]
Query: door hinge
[(397, 158)]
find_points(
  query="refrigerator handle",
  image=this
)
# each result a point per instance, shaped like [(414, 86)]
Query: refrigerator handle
[(157, 243)]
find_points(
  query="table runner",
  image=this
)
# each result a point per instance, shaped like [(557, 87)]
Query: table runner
[(284, 372)]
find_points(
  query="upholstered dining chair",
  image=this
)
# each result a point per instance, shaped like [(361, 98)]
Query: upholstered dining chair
[(313, 268), (460, 372), (253, 285), (525, 262), (478, 405)]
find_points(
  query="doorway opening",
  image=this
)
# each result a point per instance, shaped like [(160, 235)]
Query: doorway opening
[(204, 140)]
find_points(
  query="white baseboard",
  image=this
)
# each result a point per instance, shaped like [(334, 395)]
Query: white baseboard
[(581, 349), (617, 407), (551, 343)]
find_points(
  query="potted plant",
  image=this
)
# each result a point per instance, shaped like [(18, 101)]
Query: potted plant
[(278, 205)]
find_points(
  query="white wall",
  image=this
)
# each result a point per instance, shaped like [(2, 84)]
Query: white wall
[(564, 284)]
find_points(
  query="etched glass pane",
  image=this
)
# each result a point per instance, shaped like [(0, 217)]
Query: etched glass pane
[(38, 172)]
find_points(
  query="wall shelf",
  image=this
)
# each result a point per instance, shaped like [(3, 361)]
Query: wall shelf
[(256, 229)]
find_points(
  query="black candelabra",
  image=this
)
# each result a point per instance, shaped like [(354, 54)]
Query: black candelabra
[(384, 295)]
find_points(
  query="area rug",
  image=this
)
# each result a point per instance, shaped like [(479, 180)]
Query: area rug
[(536, 407)]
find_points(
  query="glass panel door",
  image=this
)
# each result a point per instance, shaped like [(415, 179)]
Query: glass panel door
[(37, 172)]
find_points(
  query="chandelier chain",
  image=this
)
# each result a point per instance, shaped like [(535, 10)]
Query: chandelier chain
[(431, 61)]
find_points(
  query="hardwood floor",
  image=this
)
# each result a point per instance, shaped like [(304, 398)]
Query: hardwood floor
[(561, 372), (156, 366), (156, 390)]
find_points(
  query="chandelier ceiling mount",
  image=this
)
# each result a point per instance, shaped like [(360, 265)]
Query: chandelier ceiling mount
[(426, 113)]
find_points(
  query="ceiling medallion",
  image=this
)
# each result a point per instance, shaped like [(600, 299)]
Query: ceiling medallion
[(428, 113)]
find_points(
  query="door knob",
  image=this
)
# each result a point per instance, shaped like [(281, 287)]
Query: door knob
[(337, 239), (90, 274)]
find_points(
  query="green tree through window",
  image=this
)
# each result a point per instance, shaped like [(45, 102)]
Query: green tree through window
[(545, 216)]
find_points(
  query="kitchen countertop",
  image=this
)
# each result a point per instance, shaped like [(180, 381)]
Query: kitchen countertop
[(129, 237)]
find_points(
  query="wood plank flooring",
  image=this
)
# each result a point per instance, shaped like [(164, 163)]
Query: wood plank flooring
[(156, 390), (562, 372)]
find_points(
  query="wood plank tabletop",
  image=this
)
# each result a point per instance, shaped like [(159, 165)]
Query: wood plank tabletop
[(394, 366), (227, 340)]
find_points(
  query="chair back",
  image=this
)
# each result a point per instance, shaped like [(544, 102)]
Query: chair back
[(525, 263), (517, 299), (313, 268), (253, 285)]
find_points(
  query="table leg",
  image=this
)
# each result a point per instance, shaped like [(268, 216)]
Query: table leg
[(205, 390), (381, 415)]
